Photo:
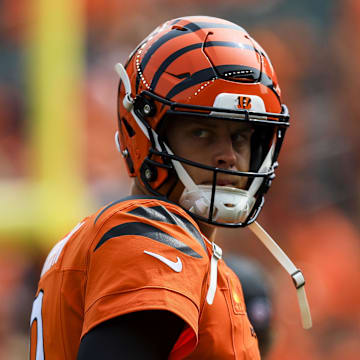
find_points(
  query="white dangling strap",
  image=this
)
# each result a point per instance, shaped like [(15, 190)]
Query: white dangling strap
[(288, 265), (215, 257)]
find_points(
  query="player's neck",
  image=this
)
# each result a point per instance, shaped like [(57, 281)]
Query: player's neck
[(136, 189), (208, 230)]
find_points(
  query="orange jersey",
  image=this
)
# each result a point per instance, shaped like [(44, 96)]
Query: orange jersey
[(133, 255)]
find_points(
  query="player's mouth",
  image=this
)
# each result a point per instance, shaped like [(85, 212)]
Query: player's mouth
[(221, 182)]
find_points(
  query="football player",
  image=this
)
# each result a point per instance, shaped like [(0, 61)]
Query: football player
[(201, 125)]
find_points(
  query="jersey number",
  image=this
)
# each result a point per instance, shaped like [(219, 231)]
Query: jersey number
[(36, 315)]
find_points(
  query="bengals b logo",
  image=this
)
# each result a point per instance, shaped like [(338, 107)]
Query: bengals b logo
[(244, 102)]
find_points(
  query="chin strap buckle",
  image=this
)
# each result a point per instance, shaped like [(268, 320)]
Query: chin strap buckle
[(217, 251), (298, 279)]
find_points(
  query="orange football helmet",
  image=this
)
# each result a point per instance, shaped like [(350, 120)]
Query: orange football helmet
[(203, 67)]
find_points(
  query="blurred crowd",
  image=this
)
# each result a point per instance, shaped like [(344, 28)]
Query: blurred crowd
[(313, 208)]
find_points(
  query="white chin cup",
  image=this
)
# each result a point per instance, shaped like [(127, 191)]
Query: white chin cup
[(231, 205)]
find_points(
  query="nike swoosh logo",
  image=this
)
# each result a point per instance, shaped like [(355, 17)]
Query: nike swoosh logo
[(176, 266)]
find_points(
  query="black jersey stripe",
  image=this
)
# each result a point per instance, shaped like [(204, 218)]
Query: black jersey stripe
[(148, 231), (192, 27), (160, 213), (170, 59), (130, 197), (106, 208)]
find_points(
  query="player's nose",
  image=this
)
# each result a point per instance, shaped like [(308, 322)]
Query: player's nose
[(224, 153)]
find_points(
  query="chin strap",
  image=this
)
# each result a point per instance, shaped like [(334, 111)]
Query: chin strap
[(288, 265), (215, 257)]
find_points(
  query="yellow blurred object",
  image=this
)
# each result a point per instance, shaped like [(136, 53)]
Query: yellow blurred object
[(54, 198)]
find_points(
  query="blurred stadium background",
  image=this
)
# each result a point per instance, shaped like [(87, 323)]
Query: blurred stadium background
[(58, 163)]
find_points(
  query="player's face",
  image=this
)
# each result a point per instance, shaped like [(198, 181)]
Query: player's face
[(217, 143)]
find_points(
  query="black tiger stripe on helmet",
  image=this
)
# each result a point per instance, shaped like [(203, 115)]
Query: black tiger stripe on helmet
[(190, 27), (174, 56), (210, 73)]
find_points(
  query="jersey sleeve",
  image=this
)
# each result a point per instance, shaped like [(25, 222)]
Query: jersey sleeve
[(148, 255)]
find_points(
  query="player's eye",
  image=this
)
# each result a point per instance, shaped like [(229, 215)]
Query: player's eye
[(201, 133)]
